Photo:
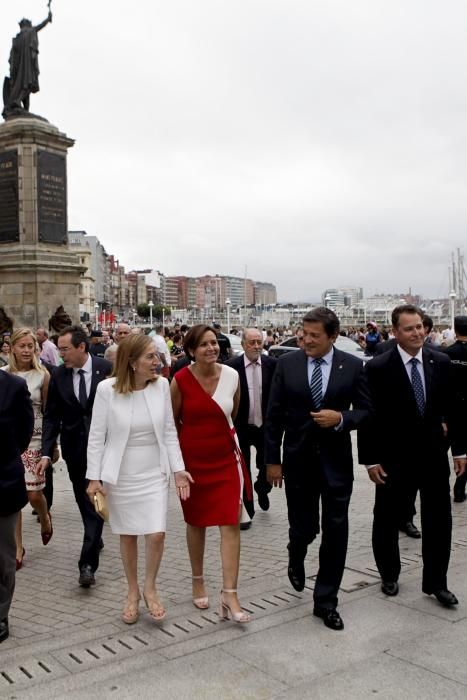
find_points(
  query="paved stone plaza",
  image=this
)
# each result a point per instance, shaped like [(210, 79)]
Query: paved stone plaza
[(69, 642)]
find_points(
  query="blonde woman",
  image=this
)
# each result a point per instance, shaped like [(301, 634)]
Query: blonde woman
[(23, 362), (132, 450)]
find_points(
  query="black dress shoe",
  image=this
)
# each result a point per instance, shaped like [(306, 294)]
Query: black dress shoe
[(390, 587), (444, 597), (101, 544), (410, 530), (4, 630), (86, 576), (263, 498), (459, 497), (246, 526), (296, 574), (331, 618)]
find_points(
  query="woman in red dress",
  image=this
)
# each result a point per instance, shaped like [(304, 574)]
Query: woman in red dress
[(205, 397)]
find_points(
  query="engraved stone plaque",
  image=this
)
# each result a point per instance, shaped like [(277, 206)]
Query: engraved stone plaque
[(9, 208), (51, 198)]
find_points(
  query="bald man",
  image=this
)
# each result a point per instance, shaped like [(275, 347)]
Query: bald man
[(255, 371), (121, 331)]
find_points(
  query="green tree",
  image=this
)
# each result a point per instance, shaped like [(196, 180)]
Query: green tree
[(142, 310), (158, 309)]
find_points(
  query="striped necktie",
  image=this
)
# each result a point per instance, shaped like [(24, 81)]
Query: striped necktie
[(316, 384)]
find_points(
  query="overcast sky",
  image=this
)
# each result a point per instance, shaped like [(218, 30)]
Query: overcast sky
[(317, 142)]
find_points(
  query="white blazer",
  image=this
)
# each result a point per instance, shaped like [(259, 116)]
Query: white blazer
[(110, 429)]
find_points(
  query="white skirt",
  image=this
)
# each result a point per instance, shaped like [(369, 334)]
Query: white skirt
[(138, 501)]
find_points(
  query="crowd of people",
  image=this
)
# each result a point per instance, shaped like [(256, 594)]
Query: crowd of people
[(130, 409)]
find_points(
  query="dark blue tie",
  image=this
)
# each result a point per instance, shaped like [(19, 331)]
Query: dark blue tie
[(417, 386), (83, 397), (316, 384)]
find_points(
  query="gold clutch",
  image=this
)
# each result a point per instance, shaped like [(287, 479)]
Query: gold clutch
[(100, 504)]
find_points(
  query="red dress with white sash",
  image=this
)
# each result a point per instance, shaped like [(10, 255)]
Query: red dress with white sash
[(210, 450)]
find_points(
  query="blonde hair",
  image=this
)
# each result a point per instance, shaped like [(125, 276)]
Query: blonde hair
[(130, 350), (17, 335)]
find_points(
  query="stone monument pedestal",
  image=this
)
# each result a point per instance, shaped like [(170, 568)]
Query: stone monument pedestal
[(38, 271)]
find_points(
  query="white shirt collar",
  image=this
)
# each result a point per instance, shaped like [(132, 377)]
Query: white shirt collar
[(327, 359), (406, 357), (249, 362), (87, 367)]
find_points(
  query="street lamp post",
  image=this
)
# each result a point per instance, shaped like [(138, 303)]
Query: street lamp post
[(227, 305), (134, 316), (96, 309), (150, 304), (452, 306)]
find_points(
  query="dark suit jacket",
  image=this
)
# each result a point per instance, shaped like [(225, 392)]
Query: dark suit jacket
[(64, 414), (290, 403), (397, 436), (16, 426), (268, 365)]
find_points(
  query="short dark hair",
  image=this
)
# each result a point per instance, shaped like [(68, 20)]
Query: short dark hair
[(78, 336), (427, 323), (193, 338), (405, 309), (460, 325), (326, 316)]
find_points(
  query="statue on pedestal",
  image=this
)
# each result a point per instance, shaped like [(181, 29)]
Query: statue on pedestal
[(24, 69), (59, 320)]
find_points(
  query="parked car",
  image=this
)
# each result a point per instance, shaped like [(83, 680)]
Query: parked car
[(235, 343), (342, 343)]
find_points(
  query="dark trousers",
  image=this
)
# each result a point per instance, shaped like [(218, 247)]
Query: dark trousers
[(303, 492), (254, 437), (407, 509), (92, 522), (459, 486), (7, 562), (49, 486), (435, 513)]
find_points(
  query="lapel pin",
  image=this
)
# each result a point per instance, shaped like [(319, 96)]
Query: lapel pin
[(340, 366)]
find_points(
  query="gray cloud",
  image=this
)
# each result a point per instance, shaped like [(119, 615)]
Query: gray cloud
[(317, 142)]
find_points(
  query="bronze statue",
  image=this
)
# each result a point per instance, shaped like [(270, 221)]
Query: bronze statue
[(24, 69), (59, 320)]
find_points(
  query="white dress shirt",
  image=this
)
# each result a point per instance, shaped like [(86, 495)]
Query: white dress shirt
[(250, 367), (326, 367), (406, 358), (87, 367)]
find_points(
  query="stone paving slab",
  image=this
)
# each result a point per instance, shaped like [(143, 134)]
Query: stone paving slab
[(382, 678), (52, 619)]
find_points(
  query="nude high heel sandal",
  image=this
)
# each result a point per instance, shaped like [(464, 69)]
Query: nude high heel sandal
[(225, 611), (200, 603)]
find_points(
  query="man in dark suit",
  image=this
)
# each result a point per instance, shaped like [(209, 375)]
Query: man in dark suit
[(68, 412), (255, 372), (16, 427), (311, 394), (405, 448), (457, 353), (407, 513)]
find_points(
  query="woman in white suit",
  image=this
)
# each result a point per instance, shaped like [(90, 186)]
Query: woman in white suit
[(132, 450)]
